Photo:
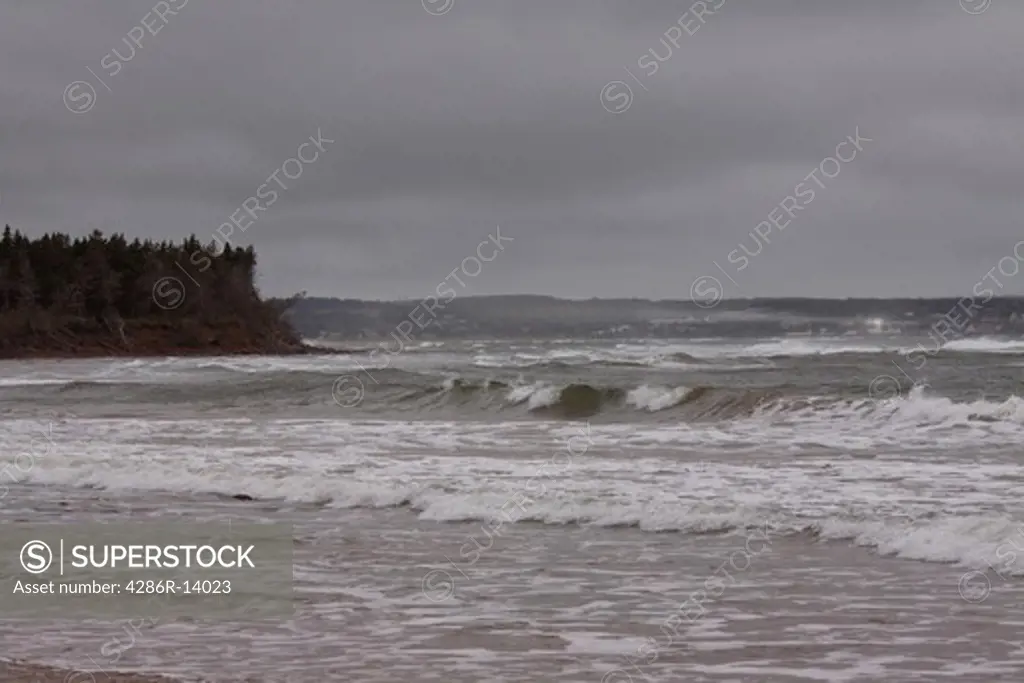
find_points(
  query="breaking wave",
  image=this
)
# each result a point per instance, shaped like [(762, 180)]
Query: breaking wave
[(410, 393), (977, 540), (985, 345), (707, 402)]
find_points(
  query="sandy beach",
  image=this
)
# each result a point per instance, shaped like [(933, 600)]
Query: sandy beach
[(25, 672), (382, 597)]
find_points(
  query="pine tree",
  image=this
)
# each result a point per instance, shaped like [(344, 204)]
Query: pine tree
[(55, 289)]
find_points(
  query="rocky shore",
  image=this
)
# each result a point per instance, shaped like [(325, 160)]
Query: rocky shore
[(64, 297), (154, 339)]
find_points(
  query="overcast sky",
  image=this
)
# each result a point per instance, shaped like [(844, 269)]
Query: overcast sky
[(451, 117)]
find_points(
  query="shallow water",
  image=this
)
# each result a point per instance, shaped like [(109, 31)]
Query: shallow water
[(382, 595)]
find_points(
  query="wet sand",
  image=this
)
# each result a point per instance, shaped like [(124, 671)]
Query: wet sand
[(382, 596), (24, 672)]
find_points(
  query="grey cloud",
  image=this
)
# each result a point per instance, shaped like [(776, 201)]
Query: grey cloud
[(446, 126)]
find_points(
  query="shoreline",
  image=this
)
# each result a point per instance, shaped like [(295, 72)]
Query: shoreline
[(17, 671)]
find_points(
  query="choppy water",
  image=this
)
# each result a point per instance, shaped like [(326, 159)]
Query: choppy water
[(536, 510)]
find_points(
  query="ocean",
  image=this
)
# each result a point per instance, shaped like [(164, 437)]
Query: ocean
[(795, 507)]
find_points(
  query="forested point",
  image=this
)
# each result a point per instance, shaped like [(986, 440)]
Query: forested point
[(102, 295)]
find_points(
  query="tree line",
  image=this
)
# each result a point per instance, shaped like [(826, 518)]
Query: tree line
[(96, 293)]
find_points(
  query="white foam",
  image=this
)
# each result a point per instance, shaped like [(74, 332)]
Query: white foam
[(659, 353), (806, 347), (672, 354), (539, 395), (920, 508), (923, 410), (167, 370), (985, 345), (654, 399), (977, 541), (30, 382)]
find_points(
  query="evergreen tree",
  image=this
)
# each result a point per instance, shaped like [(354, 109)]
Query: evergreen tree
[(56, 288)]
